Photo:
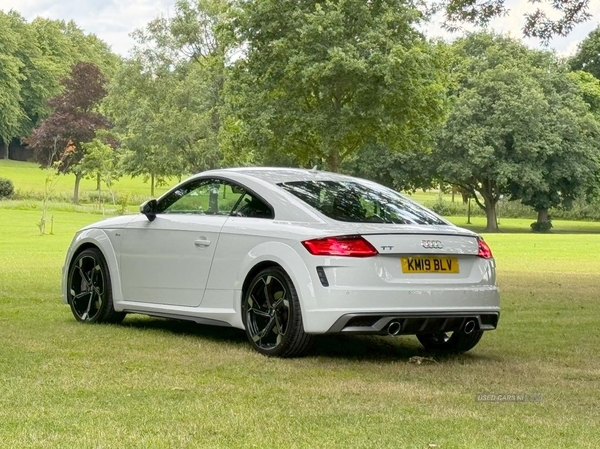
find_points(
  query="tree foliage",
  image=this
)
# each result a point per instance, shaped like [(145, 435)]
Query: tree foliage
[(320, 80), (34, 57), (166, 99), (519, 127), (100, 161), (407, 170), (570, 160), (140, 106), (587, 57), (589, 88), (345, 84), (10, 81), (552, 18)]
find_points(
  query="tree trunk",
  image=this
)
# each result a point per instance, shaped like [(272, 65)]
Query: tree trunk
[(4, 150), (98, 182), (542, 216), (492, 219), (100, 195), (469, 212), (465, 196), (152, 186), (78, 177), (333, 160)]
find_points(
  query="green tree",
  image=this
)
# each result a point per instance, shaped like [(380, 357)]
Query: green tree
[(476, 149), (100, 161), (11, 115), (320, 80), (519, 127), (166, 99), (74, 121), (587, 57), (150, 123), (570, 163)]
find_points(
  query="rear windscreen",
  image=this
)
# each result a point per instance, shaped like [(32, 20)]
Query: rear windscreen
[(355, 202)]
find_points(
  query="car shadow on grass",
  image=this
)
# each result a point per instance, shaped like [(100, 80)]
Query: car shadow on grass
[(184, 327), (350, 347), (385, 349), (366, 347)]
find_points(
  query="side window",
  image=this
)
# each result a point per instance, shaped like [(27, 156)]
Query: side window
[(202, 197), (251, 206)]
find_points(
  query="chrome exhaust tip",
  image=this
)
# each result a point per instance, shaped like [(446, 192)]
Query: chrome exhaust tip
[(469, 327), (394, 328)]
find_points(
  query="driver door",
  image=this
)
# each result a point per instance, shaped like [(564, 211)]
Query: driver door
[(168, 260)]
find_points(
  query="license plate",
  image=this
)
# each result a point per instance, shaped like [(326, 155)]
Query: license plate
[(430, 265)]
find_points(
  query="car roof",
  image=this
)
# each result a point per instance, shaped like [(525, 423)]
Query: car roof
[(277, 175)]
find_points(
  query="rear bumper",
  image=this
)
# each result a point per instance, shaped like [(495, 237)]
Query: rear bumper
[(369, 311), (411, 323)]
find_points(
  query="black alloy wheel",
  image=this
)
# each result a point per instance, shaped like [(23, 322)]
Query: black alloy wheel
[(272, 316), (89, 289)]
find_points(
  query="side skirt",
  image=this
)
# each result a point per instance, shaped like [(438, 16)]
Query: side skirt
[(199, 320)]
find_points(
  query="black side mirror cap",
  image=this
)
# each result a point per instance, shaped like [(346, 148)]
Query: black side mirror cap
[(148, 208)]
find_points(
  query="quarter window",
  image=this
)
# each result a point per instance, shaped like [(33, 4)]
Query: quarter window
[(253, 207)]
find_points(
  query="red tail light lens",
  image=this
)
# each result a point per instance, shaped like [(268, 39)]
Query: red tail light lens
[(348, 246), (484, 249)]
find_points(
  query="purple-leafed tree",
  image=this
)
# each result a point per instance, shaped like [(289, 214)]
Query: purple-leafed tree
[(59, 139)]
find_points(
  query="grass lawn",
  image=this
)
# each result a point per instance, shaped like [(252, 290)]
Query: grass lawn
[(522, 225), (153, 383), (28, 177)]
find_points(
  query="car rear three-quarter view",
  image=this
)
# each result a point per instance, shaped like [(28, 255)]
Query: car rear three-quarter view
[(396, 269), (288, 254)]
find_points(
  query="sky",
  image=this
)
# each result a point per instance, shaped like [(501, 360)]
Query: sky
[(114, 20)]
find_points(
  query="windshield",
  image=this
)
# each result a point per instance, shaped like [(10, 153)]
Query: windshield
[(355, 202)]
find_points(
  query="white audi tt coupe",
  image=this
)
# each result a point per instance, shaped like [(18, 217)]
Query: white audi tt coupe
[(287, 254)]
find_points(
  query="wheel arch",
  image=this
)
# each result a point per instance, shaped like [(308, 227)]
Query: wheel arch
[(82, 248), (255, 270), (94, 238), (276, 255)]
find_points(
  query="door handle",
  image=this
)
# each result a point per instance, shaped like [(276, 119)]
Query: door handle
[(202, 242)]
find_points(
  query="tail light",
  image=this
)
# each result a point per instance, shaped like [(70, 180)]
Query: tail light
[(484, 250), (347, 246)]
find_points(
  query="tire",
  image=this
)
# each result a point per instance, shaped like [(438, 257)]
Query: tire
[(272, 316), (90, 290), (458, 343)]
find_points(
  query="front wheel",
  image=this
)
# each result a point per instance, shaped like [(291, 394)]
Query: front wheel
[(89, 289), (455, 343), (272, 317)]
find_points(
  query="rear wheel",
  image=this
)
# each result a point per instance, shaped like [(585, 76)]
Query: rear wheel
[(272, 316), (455, 342), (89, 289)]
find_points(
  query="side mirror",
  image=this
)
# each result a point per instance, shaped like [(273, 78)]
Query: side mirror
[(148, 208)]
